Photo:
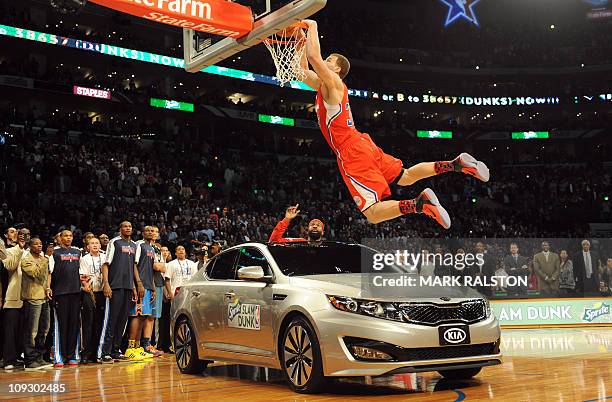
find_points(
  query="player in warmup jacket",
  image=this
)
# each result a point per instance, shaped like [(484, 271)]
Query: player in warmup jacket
[(367, 171), (315, 229)]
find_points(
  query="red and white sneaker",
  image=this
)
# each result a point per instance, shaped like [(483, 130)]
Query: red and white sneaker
[(428, 204), (470, 165), (152, 350)]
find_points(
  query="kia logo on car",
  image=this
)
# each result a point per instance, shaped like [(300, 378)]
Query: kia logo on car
[(454, 335)]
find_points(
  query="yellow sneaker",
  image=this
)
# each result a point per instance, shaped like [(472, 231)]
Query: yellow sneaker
[(143, 354), (133, 354)]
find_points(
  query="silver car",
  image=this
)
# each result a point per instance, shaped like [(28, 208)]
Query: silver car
[(301, 309)]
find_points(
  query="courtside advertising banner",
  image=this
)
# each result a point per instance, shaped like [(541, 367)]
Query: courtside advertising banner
[(553, 312), (219, 17)]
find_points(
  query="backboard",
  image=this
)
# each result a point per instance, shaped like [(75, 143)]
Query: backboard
[(270, 16)]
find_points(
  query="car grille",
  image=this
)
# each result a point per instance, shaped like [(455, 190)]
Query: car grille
[(468, 312), (428, 353), (446, 352)]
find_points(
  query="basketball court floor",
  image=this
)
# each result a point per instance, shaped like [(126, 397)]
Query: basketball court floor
[(539, 365)]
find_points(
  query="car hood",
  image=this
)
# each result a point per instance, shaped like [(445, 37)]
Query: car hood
[(350, 285)]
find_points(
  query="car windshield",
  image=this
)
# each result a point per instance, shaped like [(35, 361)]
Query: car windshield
[(306, 260)]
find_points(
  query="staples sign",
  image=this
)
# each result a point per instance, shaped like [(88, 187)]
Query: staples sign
[(91, 92)]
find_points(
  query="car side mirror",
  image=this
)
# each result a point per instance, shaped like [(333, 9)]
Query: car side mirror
[(253, 273)]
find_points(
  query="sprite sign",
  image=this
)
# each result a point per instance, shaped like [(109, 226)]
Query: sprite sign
[(172, 105), (284, 121), (434, 134), (553, 312), (530, 135)]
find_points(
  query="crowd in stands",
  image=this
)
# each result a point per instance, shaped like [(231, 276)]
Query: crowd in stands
[(195, 182)]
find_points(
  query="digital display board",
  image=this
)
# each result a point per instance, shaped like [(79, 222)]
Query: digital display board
[(530, 135), (283, 121), (434, 134), (172, 105)]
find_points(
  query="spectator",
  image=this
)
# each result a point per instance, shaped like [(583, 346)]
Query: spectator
[(518, 266), (180, 270), (49, 250), (104, 242), (163, 342), (10, 234), (586, 269), (567, 283), (315, 229), (86, 237), (66, 291), (606, 278), (12, 319), (486, 270), (2, 250), (426, 266), (92, 300), (118, 280), (546, 267), (35, 294), (201, 255)]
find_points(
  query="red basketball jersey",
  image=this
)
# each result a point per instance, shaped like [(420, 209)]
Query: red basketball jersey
[(336, 121)]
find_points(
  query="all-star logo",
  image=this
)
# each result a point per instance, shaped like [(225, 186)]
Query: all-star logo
[(461, 9), (592, 313)]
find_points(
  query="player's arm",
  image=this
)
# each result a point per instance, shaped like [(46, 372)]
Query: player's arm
[(312, 79), (331, 81)]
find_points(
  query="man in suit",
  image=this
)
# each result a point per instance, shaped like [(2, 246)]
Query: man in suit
[(517, 265), (586, 269), (486, 270), (547, 267)]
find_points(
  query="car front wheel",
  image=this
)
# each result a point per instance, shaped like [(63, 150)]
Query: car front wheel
[(186, 349), (460, 374), (301, 357)]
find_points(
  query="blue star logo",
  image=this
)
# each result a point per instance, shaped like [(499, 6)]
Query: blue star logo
[(461, 9)]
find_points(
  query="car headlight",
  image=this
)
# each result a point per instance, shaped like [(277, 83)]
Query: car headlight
[(370, 308), (488, 311)]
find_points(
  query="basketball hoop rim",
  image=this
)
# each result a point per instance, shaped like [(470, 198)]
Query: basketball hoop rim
[(288, 41)]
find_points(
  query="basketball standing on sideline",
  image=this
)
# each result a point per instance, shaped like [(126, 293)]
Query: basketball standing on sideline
[(367, 171)]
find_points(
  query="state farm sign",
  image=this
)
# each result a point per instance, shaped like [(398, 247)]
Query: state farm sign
[(219, 17), (91, 92)]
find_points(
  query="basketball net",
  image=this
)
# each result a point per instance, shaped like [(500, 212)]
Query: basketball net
[(287, 48)]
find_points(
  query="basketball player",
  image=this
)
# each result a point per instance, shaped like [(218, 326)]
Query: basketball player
[(365, 168)]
